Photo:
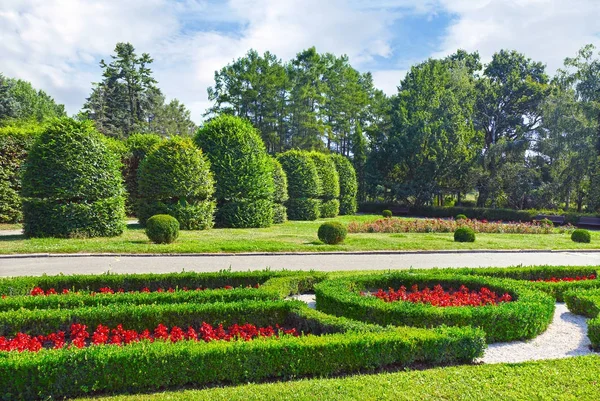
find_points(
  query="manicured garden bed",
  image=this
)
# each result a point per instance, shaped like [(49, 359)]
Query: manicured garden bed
[(587, 303)]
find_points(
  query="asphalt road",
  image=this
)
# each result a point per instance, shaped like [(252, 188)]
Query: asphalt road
[(22, 265)]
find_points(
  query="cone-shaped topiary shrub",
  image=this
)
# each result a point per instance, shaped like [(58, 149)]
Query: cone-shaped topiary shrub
[(175, 179), (280, 196), (137, 147), (72, 185), (581, 235), (348, 184), (304, 185), (464, 234), (330, 184), (332, 232), (242, 170), (162, 229)]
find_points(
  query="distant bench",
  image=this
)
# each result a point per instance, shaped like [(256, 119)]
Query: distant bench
[(558, 220), (398, 210), (589, 222)]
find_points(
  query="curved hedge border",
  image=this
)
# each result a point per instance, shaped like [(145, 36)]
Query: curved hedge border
[(587, 303), (528, 274), (525, 317), (346, 346)]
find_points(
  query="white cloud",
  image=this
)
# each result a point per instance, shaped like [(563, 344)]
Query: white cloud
[(544, 30), (388, 80)]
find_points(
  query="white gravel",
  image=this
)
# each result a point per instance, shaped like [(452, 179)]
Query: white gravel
[(565, 337)]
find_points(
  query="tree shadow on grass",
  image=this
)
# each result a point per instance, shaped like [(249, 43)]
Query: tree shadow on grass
[(16, 237)]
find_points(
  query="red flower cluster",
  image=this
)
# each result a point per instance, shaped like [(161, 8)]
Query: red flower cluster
[(557, 280), (37, 291), (439, 297), (80, 337)]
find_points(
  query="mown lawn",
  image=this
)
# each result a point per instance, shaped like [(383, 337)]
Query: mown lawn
[(566, 379), (298, 236)]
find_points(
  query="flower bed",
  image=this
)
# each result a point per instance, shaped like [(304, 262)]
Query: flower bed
[(442, 298), (568, 279), (395, 225), (526, 316), (37, 291)]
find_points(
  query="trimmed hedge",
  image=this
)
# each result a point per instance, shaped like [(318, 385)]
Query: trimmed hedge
[(305, 209), (280, 196), (83, 196), (348, 184), (531, 274), (137, 147), (587, 303), (243, 171), (328, 175), (329, 208), (304, 185), (525, 317), (175, 179), (162, 229), (145, 366), (279, 213), (15, 142)]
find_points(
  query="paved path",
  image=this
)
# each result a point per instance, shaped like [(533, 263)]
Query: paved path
[(94, 264)]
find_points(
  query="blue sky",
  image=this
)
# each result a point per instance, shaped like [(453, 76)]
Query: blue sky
[(57, 44)]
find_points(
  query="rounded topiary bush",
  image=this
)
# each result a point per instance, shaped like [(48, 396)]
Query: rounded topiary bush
[(348, 184), (460, 217), (72, 184), (304, 185), (137, 147), (386, 213), (242, 168), (581, 235), (464, 234), (280, 196), (175, 179), (330, 183), (162, 229), (332, 233)]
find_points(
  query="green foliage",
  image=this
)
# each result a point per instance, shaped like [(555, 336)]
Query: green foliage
[(328, 175), (464, 234), (246, 213), (587, 303), (304, 209), (83, 195), (460, 217), (175, 179), (242, 169), (303, 178), (279, 213), (15, 142), (19, 100), (332, 233), (281, 183), (348, 184), (525, 317), (329, 208), (137, 147), (162, 229), (581, 235), (476, 213), (546, 222), (386, 213)]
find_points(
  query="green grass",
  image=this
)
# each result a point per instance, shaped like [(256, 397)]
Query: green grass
[(567, 379), (297, 236), (7, 226)]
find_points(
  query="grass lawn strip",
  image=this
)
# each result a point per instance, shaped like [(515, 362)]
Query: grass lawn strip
[(564, 379)]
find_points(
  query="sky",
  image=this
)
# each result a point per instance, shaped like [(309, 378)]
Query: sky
[(57, 44)]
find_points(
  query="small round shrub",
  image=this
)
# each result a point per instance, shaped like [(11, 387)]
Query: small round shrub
[(329, 208), (348, 184), (386, 213), (72, 184), (279, 213), (175, 179), (332, 233), (546, 223), (464, 234), (304, 209), (162, 229), (581, 235), (460, 217)]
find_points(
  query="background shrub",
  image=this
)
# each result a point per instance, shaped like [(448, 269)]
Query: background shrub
[(175, 179), (162, 229), (581, 235), (348, 184), (280, 196), (332, 232), (386, 213), (15, 142), (72, 184), (242, 169), (461, 217), (304, 185), (246, 213), (137, 147), (464, 234), (330, 183)]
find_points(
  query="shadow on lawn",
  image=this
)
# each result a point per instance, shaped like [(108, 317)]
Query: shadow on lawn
[(16, 237)]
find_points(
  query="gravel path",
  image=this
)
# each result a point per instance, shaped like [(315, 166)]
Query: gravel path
[(566, 336)]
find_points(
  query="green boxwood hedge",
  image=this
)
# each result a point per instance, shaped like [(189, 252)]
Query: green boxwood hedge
[(329, 208), (246, 213), (526, 316), (175, 179), (328, 175), (348, 184), (280, 196), (305, 209), (137, 147), (72, 184), (338, 346), (304, 185), (587, 303)]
